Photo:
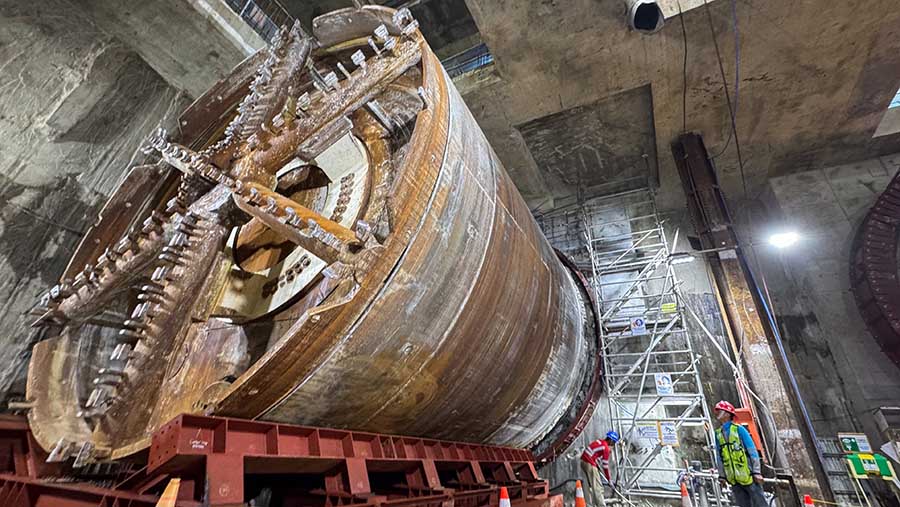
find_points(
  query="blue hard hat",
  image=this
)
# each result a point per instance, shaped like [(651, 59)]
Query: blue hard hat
[(612, 435)]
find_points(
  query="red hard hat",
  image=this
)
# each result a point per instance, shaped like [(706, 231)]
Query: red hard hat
[(725, 407)]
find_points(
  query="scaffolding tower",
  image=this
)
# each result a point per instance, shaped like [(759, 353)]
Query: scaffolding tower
[(652, 381)]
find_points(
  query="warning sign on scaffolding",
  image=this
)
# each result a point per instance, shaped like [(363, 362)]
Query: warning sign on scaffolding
[(649, 431), (669, 307), (668, 434), (664, 384), (638, 326)]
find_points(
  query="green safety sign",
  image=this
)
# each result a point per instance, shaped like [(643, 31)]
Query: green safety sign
[(862, 465), (854, 442)]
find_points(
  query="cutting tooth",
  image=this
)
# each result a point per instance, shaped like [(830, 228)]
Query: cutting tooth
[(174, 206), (96, 398), (140, 311), (254, 196), (151, 225), (107, 381), (172, 250), (65, 288), (84, 456), (151, 297), (303, 103), (171, 258), (129, 337), (374, 46), (343, 70), (381, 32), (410, 29), (60, 452), (271, 205), (104, 263), (160, 273), (331, 80), (380, 115), (291, 217), (359, 59), (153, 288), (403, 16), (390, 44), (121, 352), (134, 325), (180, 240)]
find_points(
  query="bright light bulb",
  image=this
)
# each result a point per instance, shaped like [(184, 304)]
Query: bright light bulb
[(784, 239)]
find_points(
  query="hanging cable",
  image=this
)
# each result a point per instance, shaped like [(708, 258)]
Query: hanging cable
[(683, 71), (731, 107)]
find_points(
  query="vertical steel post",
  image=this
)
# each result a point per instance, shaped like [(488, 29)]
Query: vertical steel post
[(745, 314)]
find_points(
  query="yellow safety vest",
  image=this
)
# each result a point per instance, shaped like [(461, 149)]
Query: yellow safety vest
[(734, 457)]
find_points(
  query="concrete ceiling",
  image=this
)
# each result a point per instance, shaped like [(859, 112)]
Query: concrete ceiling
[(605, 147), (815, 80)]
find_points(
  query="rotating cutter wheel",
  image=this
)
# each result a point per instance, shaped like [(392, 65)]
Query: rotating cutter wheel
[(343, 249)]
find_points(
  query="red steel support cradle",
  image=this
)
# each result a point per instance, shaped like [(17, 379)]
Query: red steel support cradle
[(223, 461)]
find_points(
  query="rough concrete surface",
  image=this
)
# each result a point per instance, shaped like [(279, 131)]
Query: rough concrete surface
[(74, 106), (815, 80), (842, 372), (181, 41)]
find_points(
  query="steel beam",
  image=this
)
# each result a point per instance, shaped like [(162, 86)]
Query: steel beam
[(743, 312), (217, 458)]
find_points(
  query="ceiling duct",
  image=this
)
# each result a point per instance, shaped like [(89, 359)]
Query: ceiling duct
[(645, 16)]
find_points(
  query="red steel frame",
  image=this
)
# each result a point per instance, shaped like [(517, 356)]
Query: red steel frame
[(219, 460)]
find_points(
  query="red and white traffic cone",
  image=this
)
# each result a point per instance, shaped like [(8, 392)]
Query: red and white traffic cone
[(685, 497), (807, 501), (579, 495), (504, 497)]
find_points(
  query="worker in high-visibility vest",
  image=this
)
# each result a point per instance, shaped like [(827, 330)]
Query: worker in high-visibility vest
[(596, 455), (738, 462)]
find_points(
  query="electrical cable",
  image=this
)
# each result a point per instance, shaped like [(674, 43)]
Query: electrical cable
[(731, 108), (683, 71), (737, 70)]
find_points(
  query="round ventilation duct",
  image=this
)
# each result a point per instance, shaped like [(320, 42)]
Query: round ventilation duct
[(645, 16)]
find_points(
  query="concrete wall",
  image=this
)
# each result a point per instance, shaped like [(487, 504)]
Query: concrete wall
[(75, 104), (842, 372), (190, 43), (815, 80)]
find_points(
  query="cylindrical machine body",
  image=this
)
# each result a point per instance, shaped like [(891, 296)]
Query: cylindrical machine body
[(477, 334), (463, 323)]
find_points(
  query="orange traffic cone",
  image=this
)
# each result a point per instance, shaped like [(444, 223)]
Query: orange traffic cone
[(579, 495), (807, 501), (685, 498), (504, 497)]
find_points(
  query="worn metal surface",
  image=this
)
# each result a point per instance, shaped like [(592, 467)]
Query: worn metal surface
[(794, 447), (415, 295), (874, 270)]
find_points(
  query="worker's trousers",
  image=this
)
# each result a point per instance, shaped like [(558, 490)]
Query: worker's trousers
[(748, 496), (593, 484)]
